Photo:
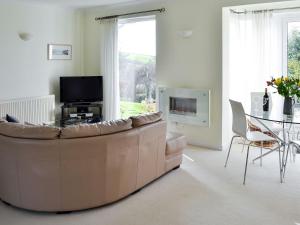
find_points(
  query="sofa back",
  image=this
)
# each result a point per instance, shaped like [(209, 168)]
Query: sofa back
[(72, 174)]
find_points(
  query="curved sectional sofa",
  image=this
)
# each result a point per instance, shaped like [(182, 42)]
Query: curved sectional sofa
[(85, 166)]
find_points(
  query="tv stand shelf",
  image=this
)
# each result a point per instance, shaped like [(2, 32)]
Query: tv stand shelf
[(83, 112)]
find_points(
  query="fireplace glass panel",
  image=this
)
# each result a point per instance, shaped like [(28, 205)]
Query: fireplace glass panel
[(183, 106)]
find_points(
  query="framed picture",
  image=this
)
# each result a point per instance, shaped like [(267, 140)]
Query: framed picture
[(59, 51)]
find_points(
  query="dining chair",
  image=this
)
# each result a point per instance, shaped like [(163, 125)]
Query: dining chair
[(272, 127), (239, 128), (257, 105)]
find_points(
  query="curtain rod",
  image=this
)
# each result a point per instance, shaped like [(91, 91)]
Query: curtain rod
[(262, 10), (128, 14)]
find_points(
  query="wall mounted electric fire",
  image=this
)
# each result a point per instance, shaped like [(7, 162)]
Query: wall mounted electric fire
[(187, 106)]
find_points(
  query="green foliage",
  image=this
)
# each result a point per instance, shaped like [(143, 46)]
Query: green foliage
[(294, 45), (137, 83), (288, 89), (286, 86), (144, 59), (294, 54), (134, 108), (294, 68)]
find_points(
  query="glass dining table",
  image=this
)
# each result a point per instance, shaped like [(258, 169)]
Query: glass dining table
[(275, 115)]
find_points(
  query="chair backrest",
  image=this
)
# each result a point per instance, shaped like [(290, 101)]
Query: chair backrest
[(239, 122)]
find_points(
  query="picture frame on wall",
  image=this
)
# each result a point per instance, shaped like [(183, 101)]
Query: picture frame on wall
[(59, 52)]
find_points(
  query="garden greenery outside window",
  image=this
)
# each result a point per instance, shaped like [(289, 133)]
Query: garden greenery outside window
[(291, 44), (137, 63), (293, 49)]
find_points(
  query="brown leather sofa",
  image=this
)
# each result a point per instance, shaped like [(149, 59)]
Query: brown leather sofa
[(82, 167)]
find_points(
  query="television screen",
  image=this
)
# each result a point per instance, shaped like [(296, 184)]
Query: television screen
[(81, 89)]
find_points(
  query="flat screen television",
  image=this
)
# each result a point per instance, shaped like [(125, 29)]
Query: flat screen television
[(81, 89)]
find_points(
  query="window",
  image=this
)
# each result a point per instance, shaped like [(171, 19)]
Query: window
[(293, 49), (291, 44), (137, 62)]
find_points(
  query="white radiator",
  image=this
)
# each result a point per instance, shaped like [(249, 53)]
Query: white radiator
[(36, 110)]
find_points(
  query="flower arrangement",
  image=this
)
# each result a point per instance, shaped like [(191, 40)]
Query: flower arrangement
[(286, 86)]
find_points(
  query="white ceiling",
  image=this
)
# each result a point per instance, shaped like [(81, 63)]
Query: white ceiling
[(77, 3)]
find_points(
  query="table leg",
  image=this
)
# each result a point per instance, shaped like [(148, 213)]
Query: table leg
[(283, 153)]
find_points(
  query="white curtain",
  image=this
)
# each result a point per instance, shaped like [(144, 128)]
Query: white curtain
[(110, 69), (255, 53)]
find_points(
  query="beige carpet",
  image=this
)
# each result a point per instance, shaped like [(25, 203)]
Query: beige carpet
[(202, 191)]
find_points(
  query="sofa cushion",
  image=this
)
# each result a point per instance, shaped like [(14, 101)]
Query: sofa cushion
[(145, 119), (11, 119), (114, 126), (80, 131), (29, 132), (175, 143)]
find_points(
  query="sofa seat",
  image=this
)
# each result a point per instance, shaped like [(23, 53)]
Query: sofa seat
[(175, 144)]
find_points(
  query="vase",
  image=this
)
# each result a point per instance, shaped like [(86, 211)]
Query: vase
[(288, 106)]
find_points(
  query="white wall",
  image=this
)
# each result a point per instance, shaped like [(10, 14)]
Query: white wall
[(190, 63), (24, 68)]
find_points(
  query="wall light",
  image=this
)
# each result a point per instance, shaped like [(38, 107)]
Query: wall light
[(25, 36)]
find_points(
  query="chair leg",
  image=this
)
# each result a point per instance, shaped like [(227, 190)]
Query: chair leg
[(261, 152), (229, 150), (245, 173)]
